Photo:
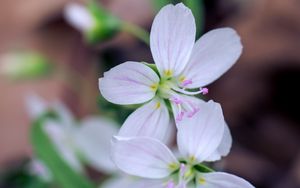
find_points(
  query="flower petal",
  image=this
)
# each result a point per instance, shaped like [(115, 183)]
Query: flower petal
[(93, 142), (129, 83), (221, 180), (224, 147), (143, 156), (213, 54), (172, 38), (150, 120), (200, 135), (62, 140), (132, 182)]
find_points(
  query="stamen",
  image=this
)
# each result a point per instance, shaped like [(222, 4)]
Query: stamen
[(170, 184), (178, 103), (201, 181), (186, 82), (204, 90), (176, 100), (168, 73), (183, 106), (191, 108), (195, 110), (182, 169), (179, 116)]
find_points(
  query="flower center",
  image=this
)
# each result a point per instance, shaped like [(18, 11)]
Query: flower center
[(172, 90)]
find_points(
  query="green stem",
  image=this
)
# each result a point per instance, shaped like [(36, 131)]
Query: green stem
[(136, 31)]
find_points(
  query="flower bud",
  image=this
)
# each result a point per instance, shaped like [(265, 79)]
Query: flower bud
[(20, 65), (92, 20)]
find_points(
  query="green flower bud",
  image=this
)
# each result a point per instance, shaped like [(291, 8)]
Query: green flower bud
[(24, 65), (93, 21)]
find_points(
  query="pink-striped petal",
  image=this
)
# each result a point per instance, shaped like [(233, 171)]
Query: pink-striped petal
[(150, 120), (213, 54), (143, 156), (199, 136), (221, 180), (172, 39), (129, 83), (224, 147)]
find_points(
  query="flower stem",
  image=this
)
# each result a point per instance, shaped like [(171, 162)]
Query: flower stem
[(136, 31)]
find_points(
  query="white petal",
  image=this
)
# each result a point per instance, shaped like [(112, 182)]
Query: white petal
[(78, 17), (170, 135), (221, 180), (63, 141), (150, 120), (213, 54), (35, 105), (132, 182), (143, 156), (224, 147), (93, 140), (129, 83), (200, 135), (172, 38)]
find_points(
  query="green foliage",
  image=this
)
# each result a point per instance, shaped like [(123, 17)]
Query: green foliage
[(62, 173), (158, 4), (106, 25), (19, 177), (197, 8), (25, 65), (116, 112), (203, 168)]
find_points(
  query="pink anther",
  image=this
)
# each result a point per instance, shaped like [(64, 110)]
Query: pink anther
[(186, 82), (176, 100), (192, 113), (204, 91), (180, 116), (170, 184)]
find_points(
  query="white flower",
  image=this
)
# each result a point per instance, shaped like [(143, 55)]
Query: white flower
[(198, 138), (89, 138), (126, 181), (181, 65)]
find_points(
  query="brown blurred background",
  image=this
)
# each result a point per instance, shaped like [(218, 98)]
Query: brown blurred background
[(259, 95)]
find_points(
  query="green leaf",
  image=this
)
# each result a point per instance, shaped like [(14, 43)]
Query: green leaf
[(197, 7), (106, 25), (62, 173), (119, 113), (158, 4), (19, 176)]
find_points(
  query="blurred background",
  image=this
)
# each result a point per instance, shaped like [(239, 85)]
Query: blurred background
[(259, 95)]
